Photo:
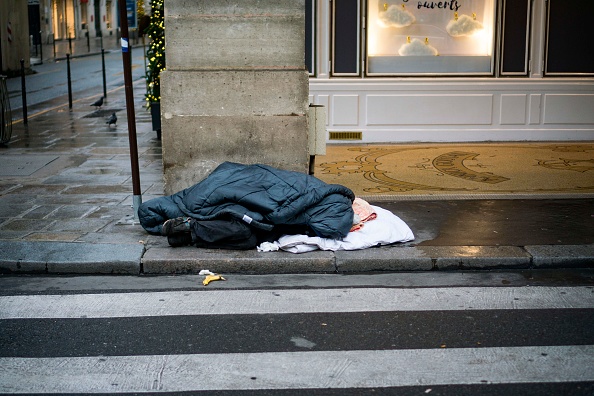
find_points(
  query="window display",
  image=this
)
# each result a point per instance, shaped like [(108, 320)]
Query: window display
[(406, 37)]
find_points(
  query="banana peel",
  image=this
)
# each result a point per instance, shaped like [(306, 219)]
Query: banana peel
[(211, 278)]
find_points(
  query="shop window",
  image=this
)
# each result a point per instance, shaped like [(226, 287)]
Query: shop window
[(345, 37), (447, 37), (310, 23), (108, 14), (570, 48), (83, 15), (515, 37), (63, 20)]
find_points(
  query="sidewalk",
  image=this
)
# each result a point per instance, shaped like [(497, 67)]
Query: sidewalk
[(66, 196)]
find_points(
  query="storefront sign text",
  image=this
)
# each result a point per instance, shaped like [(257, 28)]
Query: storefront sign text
[(443, 5)]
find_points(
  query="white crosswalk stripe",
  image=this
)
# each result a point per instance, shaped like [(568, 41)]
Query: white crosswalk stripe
[(310, 370), (302, 370), (233, 302)]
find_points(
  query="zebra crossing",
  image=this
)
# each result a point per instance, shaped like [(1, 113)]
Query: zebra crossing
[(322, 340)]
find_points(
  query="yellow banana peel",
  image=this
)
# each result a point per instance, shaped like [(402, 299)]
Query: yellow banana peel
[(211, 278)]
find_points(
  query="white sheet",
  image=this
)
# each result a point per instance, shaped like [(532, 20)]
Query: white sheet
[(386, 229)]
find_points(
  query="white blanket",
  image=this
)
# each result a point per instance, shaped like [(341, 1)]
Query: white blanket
[(387, 228)]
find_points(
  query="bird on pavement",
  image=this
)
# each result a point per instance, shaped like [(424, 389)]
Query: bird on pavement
[(98, 102), (112, 120)]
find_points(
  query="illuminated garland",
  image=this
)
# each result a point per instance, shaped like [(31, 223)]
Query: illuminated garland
[(139, 9), (156, 52)]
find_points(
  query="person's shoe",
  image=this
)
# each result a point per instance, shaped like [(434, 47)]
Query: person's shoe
[(180, 239), (173, 226)]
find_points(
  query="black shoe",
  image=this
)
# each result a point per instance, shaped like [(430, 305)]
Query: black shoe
[(180, 239), (173, 226)]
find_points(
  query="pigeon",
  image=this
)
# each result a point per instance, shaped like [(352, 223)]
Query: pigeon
[(112, 120), (98, 102)]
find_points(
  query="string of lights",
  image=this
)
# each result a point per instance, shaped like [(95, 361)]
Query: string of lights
[(156, 52)]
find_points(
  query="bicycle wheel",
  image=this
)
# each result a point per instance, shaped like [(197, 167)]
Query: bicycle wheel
[(5, 113)]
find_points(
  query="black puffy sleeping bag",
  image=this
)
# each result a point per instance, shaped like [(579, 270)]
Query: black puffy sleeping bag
[(259, 195)]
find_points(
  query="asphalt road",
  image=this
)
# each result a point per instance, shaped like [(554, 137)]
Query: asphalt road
[(462, 333), (48, 87)]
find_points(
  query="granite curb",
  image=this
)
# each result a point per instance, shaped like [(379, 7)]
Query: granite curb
[(21, 257)]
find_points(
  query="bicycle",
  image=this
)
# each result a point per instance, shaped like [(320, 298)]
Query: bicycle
[(5, 113)]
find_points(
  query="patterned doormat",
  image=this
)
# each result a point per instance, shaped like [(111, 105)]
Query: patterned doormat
[(461, 171)]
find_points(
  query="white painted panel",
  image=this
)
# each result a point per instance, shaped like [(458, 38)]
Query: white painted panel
[(569, 109), (513, 109), (345, 110), (429, 109), (535, 105)]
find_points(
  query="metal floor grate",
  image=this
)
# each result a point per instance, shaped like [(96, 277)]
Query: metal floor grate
[(346, 136)]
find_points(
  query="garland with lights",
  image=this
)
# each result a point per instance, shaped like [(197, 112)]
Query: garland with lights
[(155, 53), (139, 9)]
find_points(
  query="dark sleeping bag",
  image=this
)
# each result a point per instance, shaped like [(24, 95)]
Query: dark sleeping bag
[(261, 196)]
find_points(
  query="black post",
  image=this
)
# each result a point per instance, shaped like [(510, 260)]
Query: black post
[(24, 92), (103, 68), (69, 82), (88, 40), (54, 43), (69, 42), (1, 66), (127, 62), (40, 48)]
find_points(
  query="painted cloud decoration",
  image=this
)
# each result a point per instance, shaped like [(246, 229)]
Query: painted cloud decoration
[(463, 26), (395, 16), (417, 48)]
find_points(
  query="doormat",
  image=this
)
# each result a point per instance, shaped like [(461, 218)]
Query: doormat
[(23, 165), (463, 171)]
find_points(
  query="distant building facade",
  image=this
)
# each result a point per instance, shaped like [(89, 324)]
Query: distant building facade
[(14, 38), (61, 19)]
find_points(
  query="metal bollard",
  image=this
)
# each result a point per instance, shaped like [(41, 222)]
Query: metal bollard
[(24, 92), (40, 47), (69, 81), (103, 69)]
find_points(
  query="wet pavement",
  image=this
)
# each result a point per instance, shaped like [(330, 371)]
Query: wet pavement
[(66, 207)]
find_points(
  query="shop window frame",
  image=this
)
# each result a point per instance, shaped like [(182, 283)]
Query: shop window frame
[(310, 36), (546, 71), (527, 43), (492, 63), (335, 44)]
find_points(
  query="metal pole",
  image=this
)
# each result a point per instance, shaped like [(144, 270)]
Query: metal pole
[(1, 66), (40, 47), (88, 40), (127, 62), (54, 43), (69, 42), (69, 81), (24, 92), (103, 68)]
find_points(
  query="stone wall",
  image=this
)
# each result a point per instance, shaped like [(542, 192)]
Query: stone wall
[(235, 88), (15, 47)]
